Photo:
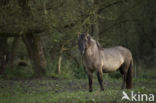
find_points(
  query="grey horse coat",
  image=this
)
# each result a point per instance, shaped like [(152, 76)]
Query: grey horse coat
[(105, 60)]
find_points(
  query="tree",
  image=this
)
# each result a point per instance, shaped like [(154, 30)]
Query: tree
[(3, 54), (24, 26)]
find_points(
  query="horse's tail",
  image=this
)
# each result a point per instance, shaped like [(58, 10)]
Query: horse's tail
[(129, 76)]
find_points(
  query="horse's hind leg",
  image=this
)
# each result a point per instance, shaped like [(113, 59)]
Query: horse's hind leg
[(123, 71), (124, 82), (99, 75), (90, 79)]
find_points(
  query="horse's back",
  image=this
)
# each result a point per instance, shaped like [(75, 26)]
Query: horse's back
[(125, 52), (114, 57)]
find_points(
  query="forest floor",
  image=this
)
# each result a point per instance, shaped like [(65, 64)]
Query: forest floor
[(57, 90), (49, 90)]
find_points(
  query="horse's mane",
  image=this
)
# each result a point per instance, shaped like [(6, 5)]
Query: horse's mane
[(99, 45)]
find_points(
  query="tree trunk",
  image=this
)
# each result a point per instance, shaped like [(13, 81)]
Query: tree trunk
[(59, 64), (36, 53), (3, 54), (12, 52), (60, 60)]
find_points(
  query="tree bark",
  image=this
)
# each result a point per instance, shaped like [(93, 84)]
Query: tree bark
[(60, 55), (12, 52), (36, 53), (60, 60), (3, 54), (59, 64)]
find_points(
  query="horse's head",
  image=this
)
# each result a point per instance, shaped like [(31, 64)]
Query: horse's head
[(83, 42)]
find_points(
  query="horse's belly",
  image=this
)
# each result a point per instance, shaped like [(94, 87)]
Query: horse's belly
[(112, 65), (110, 69)]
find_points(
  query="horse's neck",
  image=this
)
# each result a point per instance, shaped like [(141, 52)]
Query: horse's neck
[(92, 50)]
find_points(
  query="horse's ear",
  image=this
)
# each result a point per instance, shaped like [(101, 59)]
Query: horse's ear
[(87, 34), (89, 39), (98, 44)]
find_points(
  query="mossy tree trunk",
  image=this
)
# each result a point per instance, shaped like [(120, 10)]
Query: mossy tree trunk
[(13, 52), (35, 51), (3, 54)]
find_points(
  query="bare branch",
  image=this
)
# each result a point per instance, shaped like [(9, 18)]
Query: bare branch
[(109, 5)]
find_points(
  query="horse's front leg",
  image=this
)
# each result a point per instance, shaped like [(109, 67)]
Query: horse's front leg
[(99, 75), (90, 79)]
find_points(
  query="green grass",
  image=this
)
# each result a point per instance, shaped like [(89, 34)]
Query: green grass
[(47, 90), (65, 88)]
